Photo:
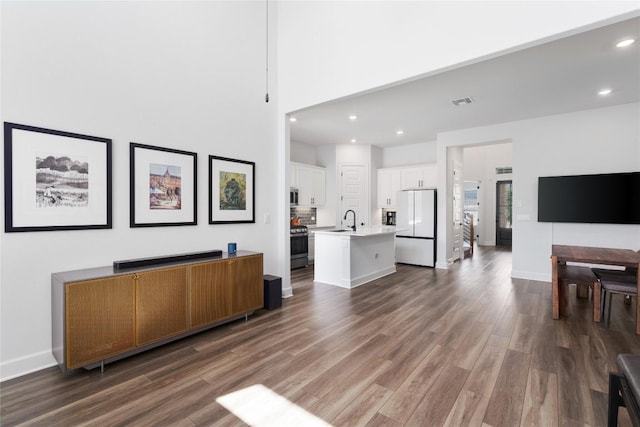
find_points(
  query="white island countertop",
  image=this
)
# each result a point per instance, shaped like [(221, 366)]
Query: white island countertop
[(348, 258), (361, 231)]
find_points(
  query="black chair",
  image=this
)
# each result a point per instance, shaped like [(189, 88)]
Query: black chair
[(624, 389), (615, 282)]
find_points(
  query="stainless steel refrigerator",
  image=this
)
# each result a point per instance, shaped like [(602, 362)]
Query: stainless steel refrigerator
[(416, 220)]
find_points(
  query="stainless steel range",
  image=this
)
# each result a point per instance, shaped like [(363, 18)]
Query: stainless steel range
[(299, 246)]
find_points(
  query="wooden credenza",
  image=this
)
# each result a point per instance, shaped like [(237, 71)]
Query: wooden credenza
[(100, 314)]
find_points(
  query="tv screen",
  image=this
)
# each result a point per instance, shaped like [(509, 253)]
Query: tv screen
[(604, 198)]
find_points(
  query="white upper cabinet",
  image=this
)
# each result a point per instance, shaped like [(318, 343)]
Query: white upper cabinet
[(389, 183), (311, 184), (425, 176), (392, 180)]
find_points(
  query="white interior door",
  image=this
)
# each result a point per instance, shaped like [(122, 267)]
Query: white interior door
[(354, 194)]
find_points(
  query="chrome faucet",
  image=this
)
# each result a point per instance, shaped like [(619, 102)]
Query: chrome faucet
[(354, 218)]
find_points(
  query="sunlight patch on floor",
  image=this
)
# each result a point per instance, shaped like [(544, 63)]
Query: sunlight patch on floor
[(259, 406)]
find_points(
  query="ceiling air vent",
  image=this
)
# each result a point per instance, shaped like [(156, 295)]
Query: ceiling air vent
[(462, 101), (504, 170)]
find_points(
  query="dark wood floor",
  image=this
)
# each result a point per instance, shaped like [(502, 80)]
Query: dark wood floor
[(422, 347)]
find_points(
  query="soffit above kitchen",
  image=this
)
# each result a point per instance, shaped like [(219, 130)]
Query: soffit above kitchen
[(556, 77)]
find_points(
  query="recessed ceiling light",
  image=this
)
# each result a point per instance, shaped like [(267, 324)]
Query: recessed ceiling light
[(626, 42), (399, 132), (293, 119), (353, 117), (353, 140), (604, 92)]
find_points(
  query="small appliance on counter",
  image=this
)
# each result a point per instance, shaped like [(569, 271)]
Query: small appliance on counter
[(390, 218)]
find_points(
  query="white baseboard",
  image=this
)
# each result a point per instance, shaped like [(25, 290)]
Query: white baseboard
[(287, 292), (355, 282), (25, 365), (442, 265), (529, 275)]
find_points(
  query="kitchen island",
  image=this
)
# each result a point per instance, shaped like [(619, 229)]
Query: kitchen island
[(348, 258)]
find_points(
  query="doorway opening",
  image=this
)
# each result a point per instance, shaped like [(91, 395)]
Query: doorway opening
[(504, 213), (471, 223)]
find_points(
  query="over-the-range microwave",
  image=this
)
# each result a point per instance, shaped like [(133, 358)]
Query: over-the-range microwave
[(293, 196)]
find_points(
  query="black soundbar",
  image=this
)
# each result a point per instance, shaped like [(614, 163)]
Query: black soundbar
[(146, 262)]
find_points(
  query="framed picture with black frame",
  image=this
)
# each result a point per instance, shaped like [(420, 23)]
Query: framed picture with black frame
[(231, 191), (163, 186), (55, 180)]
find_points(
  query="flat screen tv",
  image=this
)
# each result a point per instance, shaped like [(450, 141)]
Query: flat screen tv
[(604, 198)]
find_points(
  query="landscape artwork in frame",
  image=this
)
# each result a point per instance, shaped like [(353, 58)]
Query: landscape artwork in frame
[(55, 180), (163, 186), (231, 191)]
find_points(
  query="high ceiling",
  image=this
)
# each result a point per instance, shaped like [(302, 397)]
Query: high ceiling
[(556, 77)]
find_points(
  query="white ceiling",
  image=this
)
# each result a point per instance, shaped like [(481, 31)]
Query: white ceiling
[(551, 78)]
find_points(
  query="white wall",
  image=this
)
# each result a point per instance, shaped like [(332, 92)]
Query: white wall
[(407, 155), (303, 153), (326, 215), (330, 49), (377, 154), (602, 140), (186, 75)]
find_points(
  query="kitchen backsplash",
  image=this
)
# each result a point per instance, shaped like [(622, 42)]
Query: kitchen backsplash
[(307, 215)]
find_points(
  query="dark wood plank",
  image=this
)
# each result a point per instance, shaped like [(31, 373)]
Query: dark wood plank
[(363, 408), (541, 399), (485, 371), (573, 387), (505, 405), (438, 401), (408, 396), (523, 334), (543, 353), (468, 409)]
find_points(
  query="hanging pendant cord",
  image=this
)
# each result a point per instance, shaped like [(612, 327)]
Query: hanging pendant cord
[(266, 97)]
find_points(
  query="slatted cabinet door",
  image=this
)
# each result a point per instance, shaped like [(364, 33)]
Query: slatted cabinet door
[(99, 315), (161, 304), (245, 274), (210, 291), (100, 319)]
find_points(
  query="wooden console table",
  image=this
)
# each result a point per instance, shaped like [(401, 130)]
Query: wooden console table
[(561, 254), (103, 314)]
